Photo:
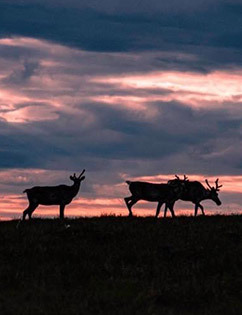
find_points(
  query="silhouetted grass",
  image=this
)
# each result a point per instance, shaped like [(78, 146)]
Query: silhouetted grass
[(118, 265)]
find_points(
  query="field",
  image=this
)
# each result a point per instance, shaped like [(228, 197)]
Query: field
[(121, 265)]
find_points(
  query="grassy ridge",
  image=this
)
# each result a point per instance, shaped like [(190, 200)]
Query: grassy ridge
[(118, 265)]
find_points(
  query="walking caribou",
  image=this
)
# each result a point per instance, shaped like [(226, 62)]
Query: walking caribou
[(60, 195), (195, 192), (161, 193)]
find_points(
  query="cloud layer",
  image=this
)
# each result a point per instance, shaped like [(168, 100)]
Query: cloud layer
[(201, 27)]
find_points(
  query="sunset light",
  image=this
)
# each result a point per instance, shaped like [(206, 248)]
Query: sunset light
[(120, 157), (128, 114)]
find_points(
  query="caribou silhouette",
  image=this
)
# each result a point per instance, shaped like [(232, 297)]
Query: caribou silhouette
[(195, 192), (161, 193), (60, 195)]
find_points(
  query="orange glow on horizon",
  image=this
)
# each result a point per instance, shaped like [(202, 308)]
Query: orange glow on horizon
[(98, 207), (81, 207), (12, 205)]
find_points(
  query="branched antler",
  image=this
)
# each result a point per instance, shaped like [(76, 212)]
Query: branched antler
[(185, 179), (216, 183), (210, 187)]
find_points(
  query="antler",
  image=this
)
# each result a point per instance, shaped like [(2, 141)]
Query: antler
[(216, 183), (81, 173), (217, 186), (208, 184), (184, 179)]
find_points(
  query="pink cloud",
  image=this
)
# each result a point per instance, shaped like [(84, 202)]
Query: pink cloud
[(191, 88), (30, 113), (66, 78)]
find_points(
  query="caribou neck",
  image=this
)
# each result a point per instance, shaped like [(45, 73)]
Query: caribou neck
[(75, 188), (206, 195)]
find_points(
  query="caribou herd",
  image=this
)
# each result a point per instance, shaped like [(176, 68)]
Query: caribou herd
[(164, 193), (169, 193)]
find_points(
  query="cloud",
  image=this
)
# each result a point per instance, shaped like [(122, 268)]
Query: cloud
[(209, 29), (124, 6), (119, 115), (73, 106), (190, 88)]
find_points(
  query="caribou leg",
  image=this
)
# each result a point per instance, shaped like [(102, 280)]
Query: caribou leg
[(196, 209), (201, 207), (29, 210), (170, 206), (62, 208), (198, 205), (160, 203), (130, 201)]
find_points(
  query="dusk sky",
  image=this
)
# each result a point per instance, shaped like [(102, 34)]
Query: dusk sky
[(128, 90)]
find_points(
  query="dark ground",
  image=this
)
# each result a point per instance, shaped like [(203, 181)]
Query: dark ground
[(118, 265)]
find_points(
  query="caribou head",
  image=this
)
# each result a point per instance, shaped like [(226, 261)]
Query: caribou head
[(213, 192), (78, 179)]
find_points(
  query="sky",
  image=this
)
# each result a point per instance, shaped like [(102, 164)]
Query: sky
[(128, 90)]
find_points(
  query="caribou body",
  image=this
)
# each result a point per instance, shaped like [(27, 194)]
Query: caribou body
[(60, 195), (195, 192), (161, 193)]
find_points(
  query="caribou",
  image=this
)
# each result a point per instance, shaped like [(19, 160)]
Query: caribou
[(60, 195), (161, 193), (195, 192)]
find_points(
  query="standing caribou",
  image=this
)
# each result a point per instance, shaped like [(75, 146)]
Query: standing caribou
[(161, 193), (60, 195), (195, 192)]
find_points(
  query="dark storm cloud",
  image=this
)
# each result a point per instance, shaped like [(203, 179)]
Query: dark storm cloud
[(200, 27), (25, 147), (202, 137), (91, 122)]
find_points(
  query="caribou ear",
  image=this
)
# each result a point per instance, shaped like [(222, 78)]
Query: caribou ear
[(72, 178), (82, 178)]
